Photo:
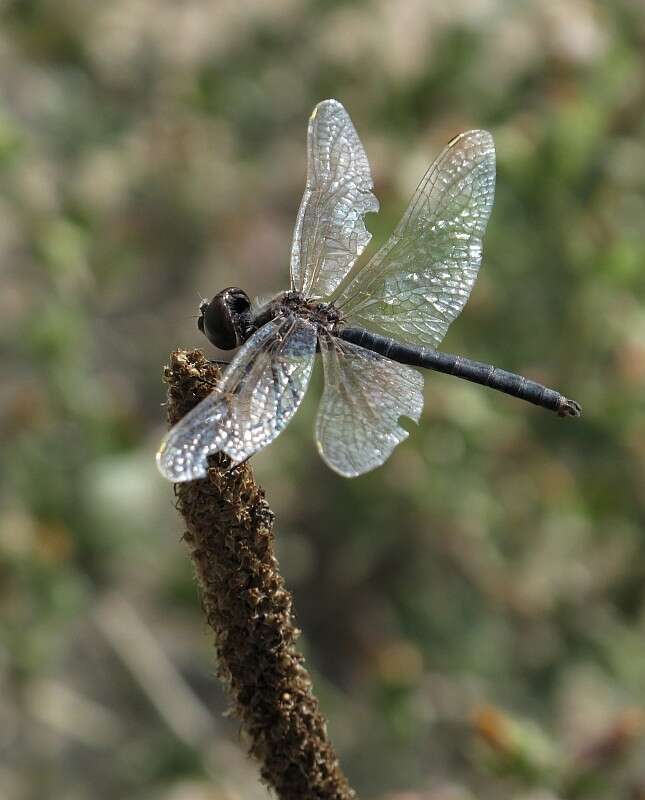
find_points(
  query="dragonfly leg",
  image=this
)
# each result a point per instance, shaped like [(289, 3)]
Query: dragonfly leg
[(239, 464)]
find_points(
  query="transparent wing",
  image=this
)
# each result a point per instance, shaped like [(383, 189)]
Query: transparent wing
[(330, 233), (420, 280), (257, 396), (365, 394)]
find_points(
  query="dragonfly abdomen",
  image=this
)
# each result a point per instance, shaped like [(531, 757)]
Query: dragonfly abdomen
[(474, 371)]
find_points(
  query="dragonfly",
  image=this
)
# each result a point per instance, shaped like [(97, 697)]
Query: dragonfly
[(372, 325)]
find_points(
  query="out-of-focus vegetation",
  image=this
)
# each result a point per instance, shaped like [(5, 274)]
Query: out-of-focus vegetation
[(474, 611)]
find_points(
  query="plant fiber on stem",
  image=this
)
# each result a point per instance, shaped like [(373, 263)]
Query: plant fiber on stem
[(230, 539)]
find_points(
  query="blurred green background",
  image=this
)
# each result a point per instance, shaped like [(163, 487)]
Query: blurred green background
[(473, 611)]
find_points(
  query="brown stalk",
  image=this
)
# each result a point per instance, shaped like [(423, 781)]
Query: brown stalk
[(230, 538)]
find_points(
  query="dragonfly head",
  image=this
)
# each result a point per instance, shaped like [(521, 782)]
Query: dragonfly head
[(226, 319)]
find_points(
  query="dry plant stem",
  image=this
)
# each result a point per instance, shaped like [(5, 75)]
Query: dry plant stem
[(230, 538)]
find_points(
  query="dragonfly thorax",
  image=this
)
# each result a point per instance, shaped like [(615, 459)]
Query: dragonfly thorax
[(322, 315)]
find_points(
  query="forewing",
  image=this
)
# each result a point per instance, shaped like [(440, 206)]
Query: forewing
[(364, 396), (330, 233), (257, 396), (420, 280)]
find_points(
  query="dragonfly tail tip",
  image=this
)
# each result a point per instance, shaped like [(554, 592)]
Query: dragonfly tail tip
[(569, 408)]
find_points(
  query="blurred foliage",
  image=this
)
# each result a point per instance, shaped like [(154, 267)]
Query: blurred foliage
[(475, 609)]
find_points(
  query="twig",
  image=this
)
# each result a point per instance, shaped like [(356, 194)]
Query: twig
[(155, 673), (246, 604)]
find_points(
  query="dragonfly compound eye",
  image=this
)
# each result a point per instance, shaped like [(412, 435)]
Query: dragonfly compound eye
[(225, 320)]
